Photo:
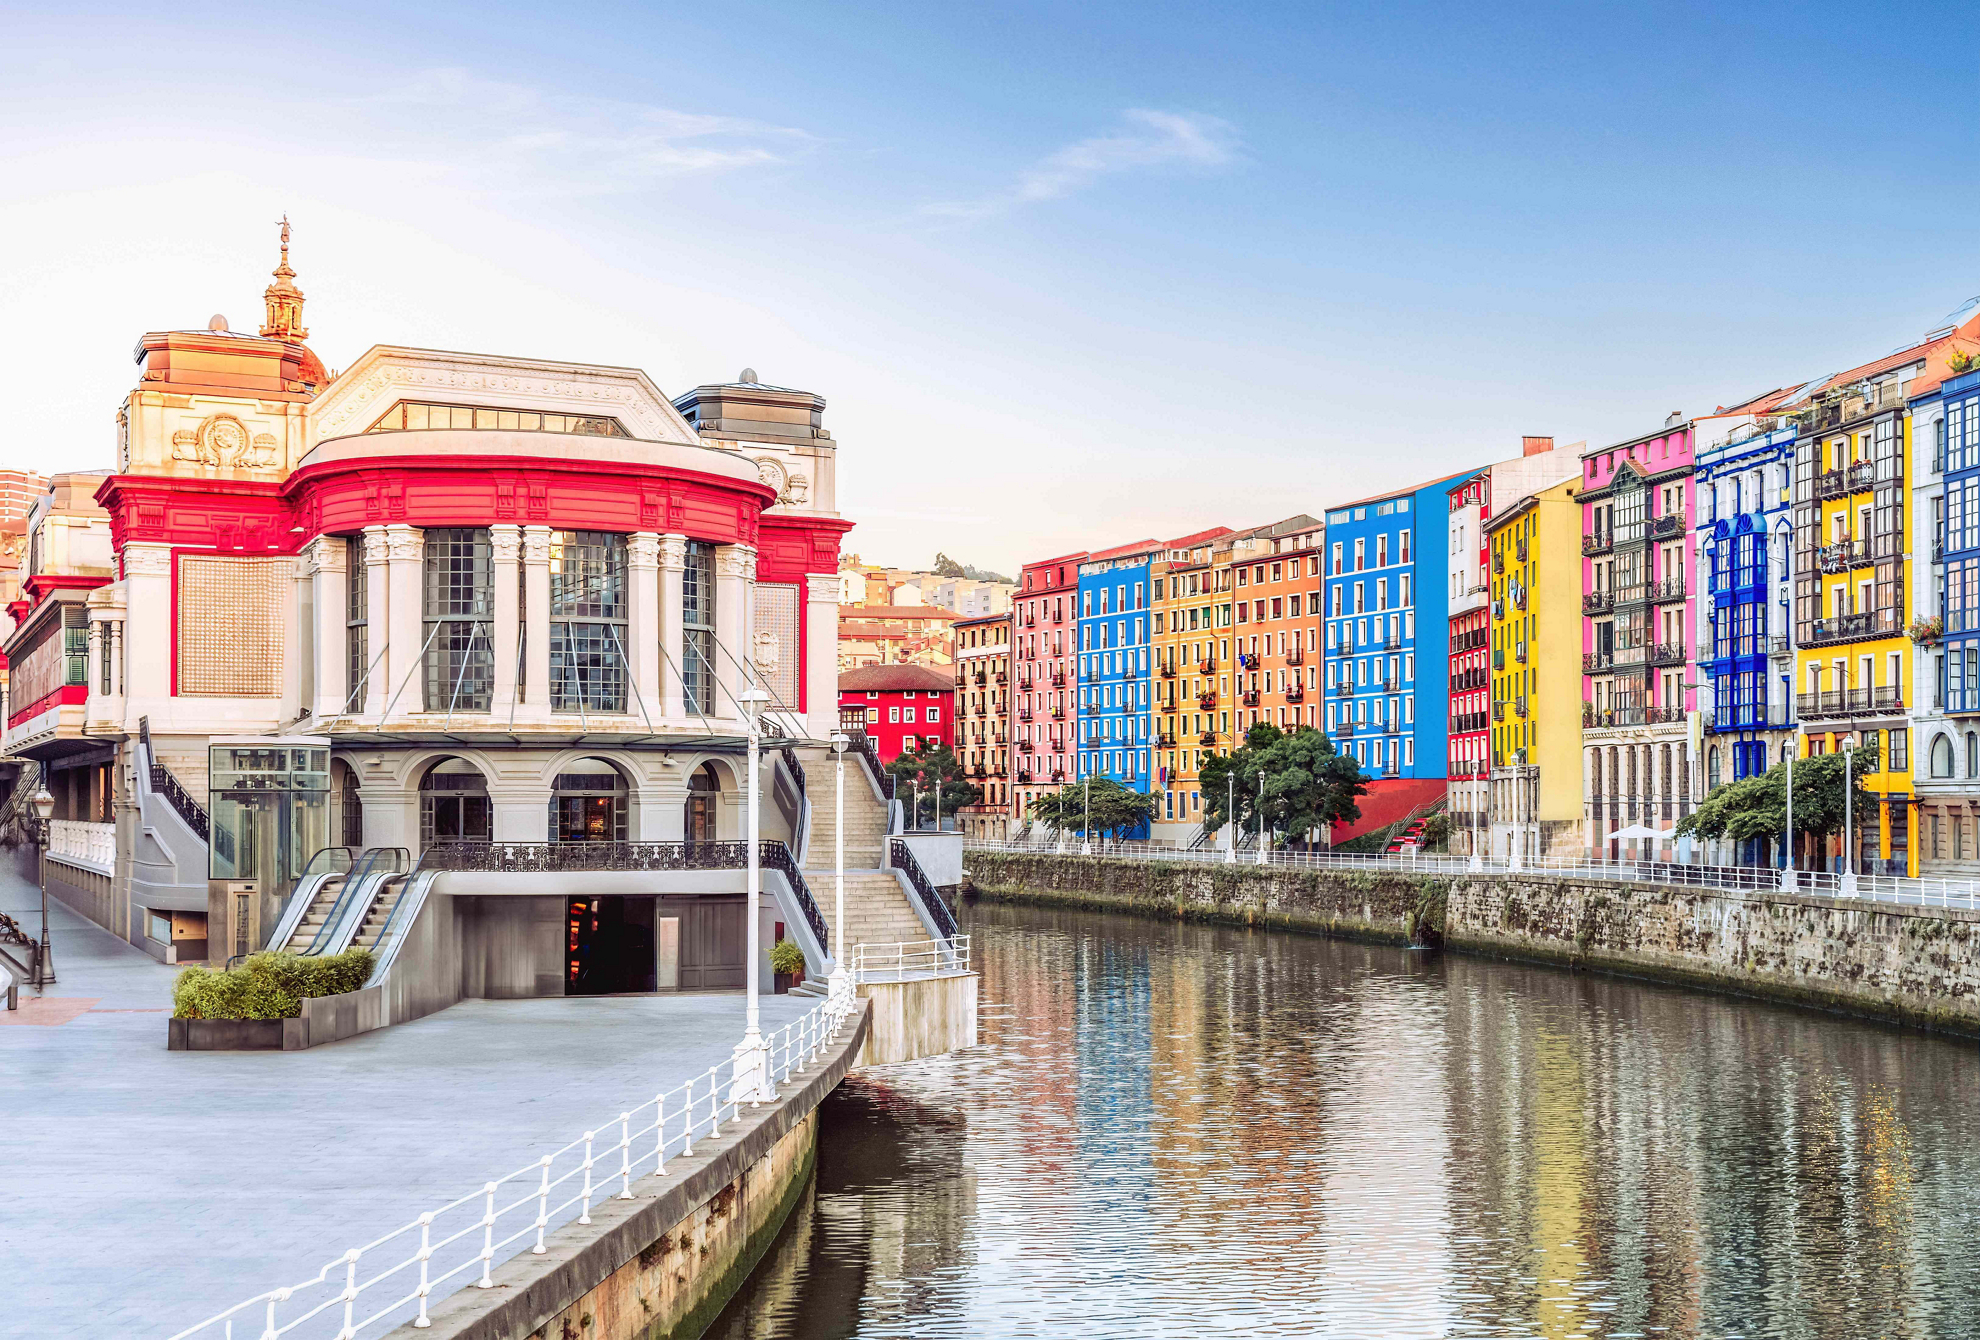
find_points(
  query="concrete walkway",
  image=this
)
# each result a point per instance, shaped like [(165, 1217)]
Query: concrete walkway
[(141, 1189)]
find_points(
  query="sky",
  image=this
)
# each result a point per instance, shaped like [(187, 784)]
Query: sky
[(1067, 276)]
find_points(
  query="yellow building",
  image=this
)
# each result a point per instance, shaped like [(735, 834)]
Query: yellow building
[(1189, 696), (1852, 478), (1535, 544)]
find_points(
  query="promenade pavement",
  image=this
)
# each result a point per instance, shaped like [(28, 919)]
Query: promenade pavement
[(142, 1190)]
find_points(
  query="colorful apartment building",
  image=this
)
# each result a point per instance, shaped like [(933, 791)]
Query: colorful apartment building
[(1638, 642), (902, 708), (1183, 587), (983, 709), (1279, 586), (1472, 500), (1535, 577), (1116, 738), (1381, 659), (1045, 679)]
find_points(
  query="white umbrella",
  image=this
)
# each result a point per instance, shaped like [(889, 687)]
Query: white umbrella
[(1639, 832)]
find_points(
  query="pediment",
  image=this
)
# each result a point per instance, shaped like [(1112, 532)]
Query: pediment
[(387, 374)]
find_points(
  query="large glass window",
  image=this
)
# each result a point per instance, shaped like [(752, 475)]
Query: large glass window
[(356, 620), (460, 611), (589, 804), (587, 621), (698, 628), (270, 807), (453, 804), (419, 414)]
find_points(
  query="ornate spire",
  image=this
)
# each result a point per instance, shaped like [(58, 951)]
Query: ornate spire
[(284, 299)]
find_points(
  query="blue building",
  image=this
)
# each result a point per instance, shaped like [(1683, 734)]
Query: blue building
[(1746, 616), (1388, 643), (1115, 723), (1945, 707)]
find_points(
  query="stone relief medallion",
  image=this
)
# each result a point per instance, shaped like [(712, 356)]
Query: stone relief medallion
[(771, 473), (769, 651), (224, 441)]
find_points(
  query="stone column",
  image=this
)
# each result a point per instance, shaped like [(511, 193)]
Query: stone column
[(377, 670), (106, 689), (673, 646), (147, 626), (643, 625), (536, 621), (732, 563), (505, 552), (329, 597), (403, 618)]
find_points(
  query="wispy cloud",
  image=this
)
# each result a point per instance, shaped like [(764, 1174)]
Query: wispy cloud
[(1147, 139), (573, 142)]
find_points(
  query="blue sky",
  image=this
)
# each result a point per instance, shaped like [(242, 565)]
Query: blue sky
[(1067, 275)]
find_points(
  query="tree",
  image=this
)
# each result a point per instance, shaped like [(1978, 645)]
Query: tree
[(1101, 805), (932, 770), (1756, 807), (1308, 785)]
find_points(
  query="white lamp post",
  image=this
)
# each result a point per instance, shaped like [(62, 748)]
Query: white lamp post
[(752, 1056), (1790, 880), (1849, 824), (44, 963), (1261, 816), (1086, 815), (1230, 816), (841, 983)]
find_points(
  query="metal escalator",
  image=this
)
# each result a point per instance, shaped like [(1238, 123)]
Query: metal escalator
[(315, 893), (340, 908)]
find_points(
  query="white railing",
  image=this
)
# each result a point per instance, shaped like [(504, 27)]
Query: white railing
[(910, 960), (1921, 892), (91, 846), (396, 1276)]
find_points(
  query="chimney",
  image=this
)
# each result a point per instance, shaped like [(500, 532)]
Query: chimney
[(1535, 446), (1676, 418)]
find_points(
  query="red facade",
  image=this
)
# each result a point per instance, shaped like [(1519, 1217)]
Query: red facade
[(900, 707)]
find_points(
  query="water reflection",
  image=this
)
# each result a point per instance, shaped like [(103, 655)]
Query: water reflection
[(1182, 1130)]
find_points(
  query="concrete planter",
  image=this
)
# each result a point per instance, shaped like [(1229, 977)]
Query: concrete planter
[(224, 1035)]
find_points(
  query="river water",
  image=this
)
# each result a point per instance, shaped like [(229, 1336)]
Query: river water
[(1177, 1130)]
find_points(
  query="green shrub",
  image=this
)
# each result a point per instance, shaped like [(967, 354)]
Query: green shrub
[(267, 986), (786, 957)]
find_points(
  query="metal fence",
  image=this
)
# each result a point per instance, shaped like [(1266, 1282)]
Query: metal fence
[(1959, 893), (910, 960), (396, 1276)]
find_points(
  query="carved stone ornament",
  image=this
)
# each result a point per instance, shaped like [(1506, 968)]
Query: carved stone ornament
[(536, 544), (771, 473), (505, 543), (643, 550), (769, 653), (223, 441), (673, 552), (822, 588), (147, 560), (326, 554), (404, 543), (798, 492)]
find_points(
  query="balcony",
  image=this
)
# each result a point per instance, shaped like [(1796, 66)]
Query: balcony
[(1296, 657), (1499, 710), (1499, 658), (1343, 690), (1831, 703), (1843, 555), (1058, 679), (1599, 543), (1058, 714), (1519, 652), (1856, 477), (1206, 700), (1165, 740), (1058, 616), (1519, 597), (1249, 698), (1393, 642), (1519, 705), (1389, 726), (1208, 666), (1000, 679), (1666, 527), (87, 845), (1854, 627), (1519, 550), (1345, 728), (1598, 602), (1207, 738), (1667, 653), (1596, 663), (1024, 777), (1498, 563), (1295, 693), (1246, 661), (1058, 774), (1026, 747), (1024, 714), (1031, 621), (1166, 670)]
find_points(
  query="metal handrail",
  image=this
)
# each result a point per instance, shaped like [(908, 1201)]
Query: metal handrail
[(910, 960), (901, 857), (352, 882), (165, 784)]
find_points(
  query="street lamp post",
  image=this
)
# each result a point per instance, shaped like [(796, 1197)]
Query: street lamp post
[(841, 983), (1086, 816), (1849, 824), (44, 962), (752, 1055), (1230, 816), (1790, 880), (1261, 816)]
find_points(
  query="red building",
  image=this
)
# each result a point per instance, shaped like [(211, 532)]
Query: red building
[(1045, 701), (902, 707)]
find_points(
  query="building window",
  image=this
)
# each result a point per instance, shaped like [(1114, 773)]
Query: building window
[(587, 621), (416, 415), (698, 628), (356, 619), (459, 610)]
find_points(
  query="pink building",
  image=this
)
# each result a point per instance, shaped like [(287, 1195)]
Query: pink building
[(1639, 644)]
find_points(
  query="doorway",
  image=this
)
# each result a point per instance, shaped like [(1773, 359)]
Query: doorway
[(589, 803), (453, 804), (626, 943), (704, 789)]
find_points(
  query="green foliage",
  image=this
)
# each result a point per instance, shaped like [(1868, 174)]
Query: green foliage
[(786, 957), (1103, 805), (1307, 784), (928, 769), (1756, 807), (1437, 832), (268, 985)]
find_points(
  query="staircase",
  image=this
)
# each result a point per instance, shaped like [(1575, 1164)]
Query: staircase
[(373, 925), (1408, 838), (877, 909)]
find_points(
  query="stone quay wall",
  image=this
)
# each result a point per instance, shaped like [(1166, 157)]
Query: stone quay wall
[(1905, 964), (662, 1265)]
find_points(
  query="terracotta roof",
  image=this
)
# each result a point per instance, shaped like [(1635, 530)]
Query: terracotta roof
[(1186, 541), (888, 612), (1138, 547), (900, 678), (1073, 557)]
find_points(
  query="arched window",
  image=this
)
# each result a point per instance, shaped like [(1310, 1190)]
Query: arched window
[(453, 803), (704, 785), (1972, 754), (588, 803), (347, 825), (1942, 756)]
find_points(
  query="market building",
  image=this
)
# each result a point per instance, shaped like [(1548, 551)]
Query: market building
[(458, 611)]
